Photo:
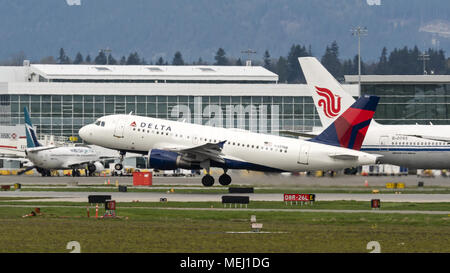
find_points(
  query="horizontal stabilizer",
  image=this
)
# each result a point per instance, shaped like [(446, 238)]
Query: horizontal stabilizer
[(344, 157), (298, 134)]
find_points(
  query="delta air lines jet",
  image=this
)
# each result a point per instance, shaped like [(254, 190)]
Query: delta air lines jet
[(411, 146), (171, 144)]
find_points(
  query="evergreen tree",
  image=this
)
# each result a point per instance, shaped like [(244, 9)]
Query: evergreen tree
[(405, 61), (63, 58), (220, 57), (123, 61), (101, 58), (348, 68), (177, 59), (160, 61), (267, 61), (88, 59), (200, 62), (133, 59), (330, 60), (239, 62), (382, 67), (282, 70), (355, 66), (294, 72), (437, 63), (111, 60), (78, 59)]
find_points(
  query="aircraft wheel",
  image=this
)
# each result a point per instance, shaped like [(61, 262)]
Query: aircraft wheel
[(224, 179), (118, 166), (208, 180)]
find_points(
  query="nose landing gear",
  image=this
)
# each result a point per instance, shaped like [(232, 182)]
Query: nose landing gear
[(119, 166)]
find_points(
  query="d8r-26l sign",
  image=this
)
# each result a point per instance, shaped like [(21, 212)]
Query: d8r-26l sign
[(301, 197)]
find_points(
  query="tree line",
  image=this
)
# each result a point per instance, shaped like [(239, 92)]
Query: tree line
[(403, 61)]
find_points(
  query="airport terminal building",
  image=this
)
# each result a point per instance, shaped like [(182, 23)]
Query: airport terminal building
[(63, 98)]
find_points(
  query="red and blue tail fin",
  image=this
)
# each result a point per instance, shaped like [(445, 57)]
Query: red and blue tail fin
[(349, 129)]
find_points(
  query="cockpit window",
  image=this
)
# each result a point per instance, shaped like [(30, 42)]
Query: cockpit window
[(103, 124), (97, 123)]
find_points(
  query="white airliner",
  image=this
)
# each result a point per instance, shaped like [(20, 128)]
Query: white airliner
[(172, 145), (411, 146), (47, 158)]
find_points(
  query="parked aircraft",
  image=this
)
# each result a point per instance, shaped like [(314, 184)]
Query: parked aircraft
[(172, 145), (411, 146), (47, 158)]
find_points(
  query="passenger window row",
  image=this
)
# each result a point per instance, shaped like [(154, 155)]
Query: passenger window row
[(215, 141), (420, 143)]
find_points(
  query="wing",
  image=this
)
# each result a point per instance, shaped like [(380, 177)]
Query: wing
[(40, 148), (211, 151)]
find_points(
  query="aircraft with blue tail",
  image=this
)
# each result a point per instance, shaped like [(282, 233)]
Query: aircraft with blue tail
[(47, 158)]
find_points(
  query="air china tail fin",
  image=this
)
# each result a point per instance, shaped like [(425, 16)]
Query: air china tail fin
[(330, 98), (350, 128), (29, 131)]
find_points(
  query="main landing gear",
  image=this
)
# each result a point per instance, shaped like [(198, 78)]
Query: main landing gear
[(208, 180)]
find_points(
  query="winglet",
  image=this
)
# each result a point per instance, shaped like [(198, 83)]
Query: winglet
[(29, 131), (349, 129), (221, 144)]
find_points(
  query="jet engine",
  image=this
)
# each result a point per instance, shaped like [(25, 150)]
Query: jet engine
[(167, 160), (95, 167)]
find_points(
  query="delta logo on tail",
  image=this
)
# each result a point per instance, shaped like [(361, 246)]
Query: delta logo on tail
[(349, 129), (330, 103)]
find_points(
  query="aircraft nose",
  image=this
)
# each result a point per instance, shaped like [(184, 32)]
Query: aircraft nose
[(85, 132)]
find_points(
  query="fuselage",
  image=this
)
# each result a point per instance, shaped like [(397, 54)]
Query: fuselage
[(241, 150), (399, 145), (60, 157)]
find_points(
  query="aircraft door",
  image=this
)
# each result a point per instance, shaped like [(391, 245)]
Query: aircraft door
[(120, 127), (384, 142), (303, 155)]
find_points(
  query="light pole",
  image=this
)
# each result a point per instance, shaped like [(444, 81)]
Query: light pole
[(106, 51), (424, 57), (359, 31), (248, 52)]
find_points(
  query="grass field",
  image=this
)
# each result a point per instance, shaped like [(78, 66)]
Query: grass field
[(144, 227)]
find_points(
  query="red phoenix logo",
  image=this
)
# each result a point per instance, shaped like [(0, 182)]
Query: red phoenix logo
[(330, 103), (133, 124)]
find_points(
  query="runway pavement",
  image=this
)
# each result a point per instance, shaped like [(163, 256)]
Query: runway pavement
[(258, 179), (263, 181), (205, 197)]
